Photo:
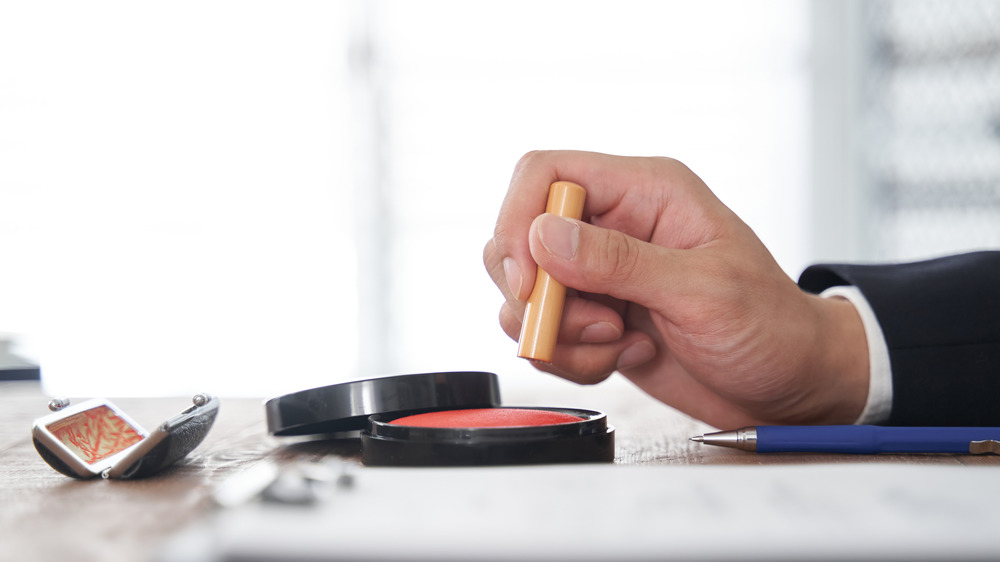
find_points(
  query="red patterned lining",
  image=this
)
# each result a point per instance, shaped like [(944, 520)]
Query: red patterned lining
[(95, 434)]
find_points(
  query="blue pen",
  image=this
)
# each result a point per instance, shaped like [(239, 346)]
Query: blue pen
[(858, 439)]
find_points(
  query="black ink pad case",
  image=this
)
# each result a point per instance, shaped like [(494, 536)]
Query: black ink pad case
[(585, 437), (345, 407)]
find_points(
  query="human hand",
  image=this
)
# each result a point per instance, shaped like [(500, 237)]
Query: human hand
[(677, 293)]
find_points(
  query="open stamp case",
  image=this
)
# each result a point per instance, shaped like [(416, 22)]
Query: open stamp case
[(375, 410), (96, 438)]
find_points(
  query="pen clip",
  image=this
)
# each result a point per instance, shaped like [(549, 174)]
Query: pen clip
[(984, 447)]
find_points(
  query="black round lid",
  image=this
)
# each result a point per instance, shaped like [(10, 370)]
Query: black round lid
[(346, 406)]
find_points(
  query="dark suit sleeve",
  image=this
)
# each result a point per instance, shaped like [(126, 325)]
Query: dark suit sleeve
[(941, 321)]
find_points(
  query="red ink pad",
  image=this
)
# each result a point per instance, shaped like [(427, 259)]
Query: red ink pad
[(487, 417), (441, 419), (488, 436)]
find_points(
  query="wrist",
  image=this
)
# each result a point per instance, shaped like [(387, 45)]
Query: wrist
[(841, 365)]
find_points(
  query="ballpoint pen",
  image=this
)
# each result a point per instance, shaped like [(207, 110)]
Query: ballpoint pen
[(858, 439)]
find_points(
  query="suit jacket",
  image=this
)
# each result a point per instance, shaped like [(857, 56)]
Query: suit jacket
[(941, 321)]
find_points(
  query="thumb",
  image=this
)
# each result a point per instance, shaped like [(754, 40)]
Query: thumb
[(604, 261)]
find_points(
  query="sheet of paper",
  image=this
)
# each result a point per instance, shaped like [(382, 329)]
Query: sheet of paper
[(611, 512)]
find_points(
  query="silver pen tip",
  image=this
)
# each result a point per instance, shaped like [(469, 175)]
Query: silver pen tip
[(698, 438)]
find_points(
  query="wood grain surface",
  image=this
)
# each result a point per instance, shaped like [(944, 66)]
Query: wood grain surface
[(47, 516)]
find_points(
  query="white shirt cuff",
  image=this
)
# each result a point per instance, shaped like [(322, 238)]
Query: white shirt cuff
[(879, 403)]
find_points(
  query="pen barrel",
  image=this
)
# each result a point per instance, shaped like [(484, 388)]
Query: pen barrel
[(866, 439)]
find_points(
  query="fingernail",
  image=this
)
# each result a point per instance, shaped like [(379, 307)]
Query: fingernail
[(513, 274), (601, 332), (636, 354), (559, 235)]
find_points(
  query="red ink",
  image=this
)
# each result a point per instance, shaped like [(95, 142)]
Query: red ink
[(95, 434), (487, 417)]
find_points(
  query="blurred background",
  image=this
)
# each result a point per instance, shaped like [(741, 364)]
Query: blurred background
[(250, 198)]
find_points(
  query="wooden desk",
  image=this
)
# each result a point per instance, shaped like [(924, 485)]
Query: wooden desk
[(47, 516)]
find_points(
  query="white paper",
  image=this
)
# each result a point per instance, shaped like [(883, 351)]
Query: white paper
[(613, 512)]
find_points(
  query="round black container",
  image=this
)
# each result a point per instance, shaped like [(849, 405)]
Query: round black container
[(589, 440), (345, 407)]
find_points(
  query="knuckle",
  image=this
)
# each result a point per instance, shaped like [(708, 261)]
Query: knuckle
[(665, 160), (532, 162), (671, 164), (489, 253), (493, 262), (619, 256), (527, 160), (502, 241)]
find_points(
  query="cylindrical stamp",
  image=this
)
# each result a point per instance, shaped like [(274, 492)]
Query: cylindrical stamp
[(543, 313)]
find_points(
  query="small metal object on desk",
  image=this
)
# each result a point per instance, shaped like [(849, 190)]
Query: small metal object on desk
[(301, 483), (290, 488), (57, 404), (245, 486), (985, 447)]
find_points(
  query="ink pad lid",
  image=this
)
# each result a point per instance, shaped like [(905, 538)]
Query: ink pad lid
[(590, 439), (346, 406)]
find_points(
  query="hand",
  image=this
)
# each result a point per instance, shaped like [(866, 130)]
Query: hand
[(673, 290)]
